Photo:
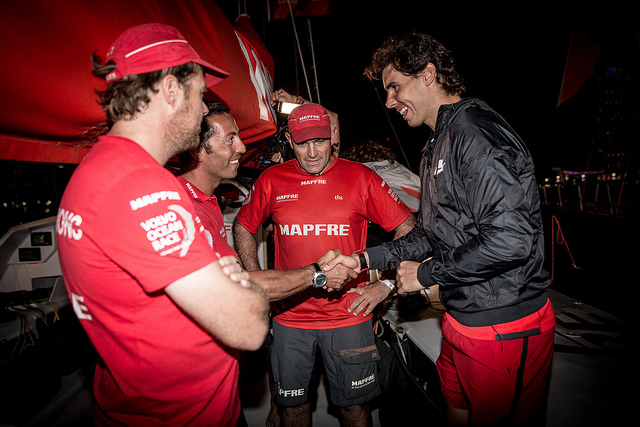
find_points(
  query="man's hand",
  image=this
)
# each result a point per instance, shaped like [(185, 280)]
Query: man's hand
[(330, 255), (282, 95), (232, 268), (277, 158), (370, 296), (211, 298), (407, 277), (338, 274), (348, 261)]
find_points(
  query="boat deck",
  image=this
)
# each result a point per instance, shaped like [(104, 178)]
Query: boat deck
[(593, 369)]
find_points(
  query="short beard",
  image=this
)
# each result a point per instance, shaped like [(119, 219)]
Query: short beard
[(179, 137)]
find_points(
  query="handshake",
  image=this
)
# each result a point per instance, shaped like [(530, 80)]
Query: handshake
[(339, 268), (342, 268)]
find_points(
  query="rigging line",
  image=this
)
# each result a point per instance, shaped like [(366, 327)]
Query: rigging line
[(297, 73), (561, 240), (313, 59), (393, 129), (295, 32), (384, 108)]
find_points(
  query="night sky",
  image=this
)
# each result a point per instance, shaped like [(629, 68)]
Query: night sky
[(511, 58)]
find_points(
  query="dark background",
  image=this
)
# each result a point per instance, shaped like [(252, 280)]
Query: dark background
[(511, 57)]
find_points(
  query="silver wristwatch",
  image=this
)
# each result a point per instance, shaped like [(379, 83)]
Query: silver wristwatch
[(319, 276)]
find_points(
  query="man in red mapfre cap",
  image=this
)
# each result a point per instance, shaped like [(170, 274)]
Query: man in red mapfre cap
[(319, 202), (147, 288)]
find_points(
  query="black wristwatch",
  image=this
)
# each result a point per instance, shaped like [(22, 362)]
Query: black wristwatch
[(319, 276), (363, 260)]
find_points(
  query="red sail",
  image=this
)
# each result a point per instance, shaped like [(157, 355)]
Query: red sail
[(49, 111)]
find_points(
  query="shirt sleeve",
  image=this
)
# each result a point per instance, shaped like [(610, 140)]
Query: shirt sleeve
[(413, 246), (255, 208), (384, 206)]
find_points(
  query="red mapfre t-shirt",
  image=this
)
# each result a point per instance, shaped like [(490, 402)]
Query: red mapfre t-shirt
[(313, 214), (209, 213), (126, 229)]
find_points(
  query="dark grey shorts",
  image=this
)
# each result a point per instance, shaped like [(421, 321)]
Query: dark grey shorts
[(350, 359)]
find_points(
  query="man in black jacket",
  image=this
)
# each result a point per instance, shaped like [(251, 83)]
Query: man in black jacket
[(479, 236)]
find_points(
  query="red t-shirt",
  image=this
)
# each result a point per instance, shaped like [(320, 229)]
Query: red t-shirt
[(126, 229), (313, 214), (209, 213)]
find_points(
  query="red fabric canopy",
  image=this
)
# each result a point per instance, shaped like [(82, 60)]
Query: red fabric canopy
[(48, 109)]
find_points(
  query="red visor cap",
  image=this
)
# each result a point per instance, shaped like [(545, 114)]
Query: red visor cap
[(309, 121), (152, 47)]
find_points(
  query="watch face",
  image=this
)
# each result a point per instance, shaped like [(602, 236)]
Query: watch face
[(319, 277), (321, 280)]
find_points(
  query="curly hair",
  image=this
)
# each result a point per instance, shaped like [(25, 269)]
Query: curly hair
[(128, 96), (410, 54), (369, 150)]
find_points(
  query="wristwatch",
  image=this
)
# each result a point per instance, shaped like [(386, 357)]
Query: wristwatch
[(363, 260), (319, 276)]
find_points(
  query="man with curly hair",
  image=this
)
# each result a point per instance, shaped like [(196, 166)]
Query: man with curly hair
[(479, 236)]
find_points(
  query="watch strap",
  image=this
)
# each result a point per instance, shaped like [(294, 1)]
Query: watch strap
[(363, 262), (318, 273)]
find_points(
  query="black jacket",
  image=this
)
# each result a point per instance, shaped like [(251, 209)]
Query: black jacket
[(479, 220)]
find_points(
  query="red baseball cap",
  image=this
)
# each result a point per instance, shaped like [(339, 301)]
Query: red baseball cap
[(309, 121), (152, 47)]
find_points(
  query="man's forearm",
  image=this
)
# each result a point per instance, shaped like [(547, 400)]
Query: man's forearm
[(281, 284), (246, 247), (405, 227), (211, 298), (413, 246)]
